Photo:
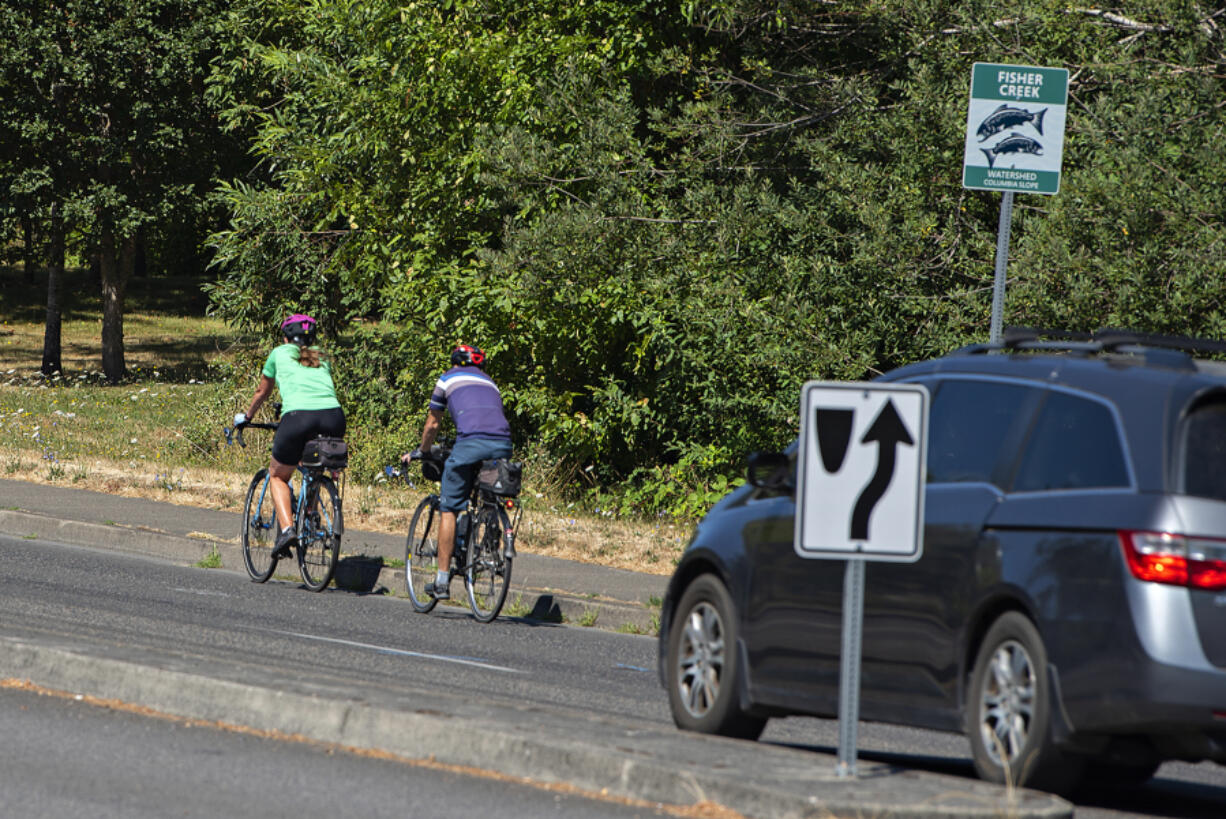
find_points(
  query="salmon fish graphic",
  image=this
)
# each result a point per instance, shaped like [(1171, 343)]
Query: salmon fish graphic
[(1006, 117), (1012, 145)]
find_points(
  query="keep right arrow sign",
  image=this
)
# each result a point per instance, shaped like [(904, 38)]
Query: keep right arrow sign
[(888, 432), (860, 470)]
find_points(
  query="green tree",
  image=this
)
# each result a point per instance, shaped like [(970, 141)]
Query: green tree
[(663, 217), (366, 197), (112, 138)]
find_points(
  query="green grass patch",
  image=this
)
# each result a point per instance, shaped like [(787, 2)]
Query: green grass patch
[(178, 425), (210, 561), (635, 628), (515, 607)]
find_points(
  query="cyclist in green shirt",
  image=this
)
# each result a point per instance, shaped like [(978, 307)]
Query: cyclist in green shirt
[(309, 408)]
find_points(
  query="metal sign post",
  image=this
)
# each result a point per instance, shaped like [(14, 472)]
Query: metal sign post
[(1014, 142), (1002, 262), (860, 497), (849, 667)]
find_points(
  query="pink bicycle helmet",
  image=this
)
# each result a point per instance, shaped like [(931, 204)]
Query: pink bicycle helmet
[(299, 329)]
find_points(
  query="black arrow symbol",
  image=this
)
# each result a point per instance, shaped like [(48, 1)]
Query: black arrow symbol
[(888, 431)]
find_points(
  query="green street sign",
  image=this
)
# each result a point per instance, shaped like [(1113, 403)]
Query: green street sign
[(1015, 128)]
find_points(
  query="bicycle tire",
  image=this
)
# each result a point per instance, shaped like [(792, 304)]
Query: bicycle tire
[(487, 576), (259, 529), (319, 534), (421, 554)]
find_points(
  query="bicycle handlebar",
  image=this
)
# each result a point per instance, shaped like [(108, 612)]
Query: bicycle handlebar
[(236, 433), (437, 454)]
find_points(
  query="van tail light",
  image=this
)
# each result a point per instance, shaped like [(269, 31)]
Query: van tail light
[(1161, 557)]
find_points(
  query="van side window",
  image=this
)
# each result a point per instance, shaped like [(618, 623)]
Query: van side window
[(969, 423), (1075, 445), (1204, 452)]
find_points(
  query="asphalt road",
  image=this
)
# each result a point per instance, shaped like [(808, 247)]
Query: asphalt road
[(277, 630), (376, 647), (70, 759)]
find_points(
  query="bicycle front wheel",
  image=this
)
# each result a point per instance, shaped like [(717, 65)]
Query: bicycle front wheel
[(319, 534), (421, 554), (259, 529), (488, 574)]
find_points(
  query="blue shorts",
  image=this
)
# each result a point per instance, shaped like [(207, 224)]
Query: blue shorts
[(460, 469)]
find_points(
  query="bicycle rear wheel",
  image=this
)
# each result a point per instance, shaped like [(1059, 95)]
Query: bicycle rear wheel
[(421, 554), (487, 577), (319, 534), (259, 529)]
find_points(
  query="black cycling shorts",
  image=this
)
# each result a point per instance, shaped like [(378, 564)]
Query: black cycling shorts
[(300, 426)]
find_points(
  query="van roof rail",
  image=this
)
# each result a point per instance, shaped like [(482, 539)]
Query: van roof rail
[(1168, 350)]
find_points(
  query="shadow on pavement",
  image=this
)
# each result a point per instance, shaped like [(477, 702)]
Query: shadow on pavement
[(1160, 797)]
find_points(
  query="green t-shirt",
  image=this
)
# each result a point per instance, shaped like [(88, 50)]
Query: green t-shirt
[(301, 388)]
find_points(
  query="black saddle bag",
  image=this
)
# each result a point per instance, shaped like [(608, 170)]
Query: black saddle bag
[(328, 453), (432, 467), (500, 476)]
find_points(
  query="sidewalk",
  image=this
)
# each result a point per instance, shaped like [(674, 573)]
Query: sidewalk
[(550, 588)]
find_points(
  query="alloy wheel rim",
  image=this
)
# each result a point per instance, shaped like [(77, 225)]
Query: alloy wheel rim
[(701, 659), (1007, 703)]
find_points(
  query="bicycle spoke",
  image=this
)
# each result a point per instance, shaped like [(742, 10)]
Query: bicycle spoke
[(488, 574), (319, 536), (259, 528), (421, 554)]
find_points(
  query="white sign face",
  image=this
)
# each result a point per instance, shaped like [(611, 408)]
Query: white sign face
[(1015, 128), (861, 470)]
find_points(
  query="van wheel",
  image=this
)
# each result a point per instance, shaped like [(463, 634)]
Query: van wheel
[(1009, 711), (704, 666)]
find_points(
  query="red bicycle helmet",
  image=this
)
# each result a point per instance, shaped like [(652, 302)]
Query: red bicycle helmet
[(466, 355)]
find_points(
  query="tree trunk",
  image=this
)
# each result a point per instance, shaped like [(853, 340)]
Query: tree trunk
[(114, 271), (55, 275)]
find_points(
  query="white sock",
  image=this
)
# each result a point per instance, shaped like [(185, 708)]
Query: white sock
[(441, 580)]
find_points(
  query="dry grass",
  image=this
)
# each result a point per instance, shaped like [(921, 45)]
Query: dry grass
[(374, 508)]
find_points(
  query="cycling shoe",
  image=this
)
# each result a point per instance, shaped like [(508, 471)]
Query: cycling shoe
[(286, 541)]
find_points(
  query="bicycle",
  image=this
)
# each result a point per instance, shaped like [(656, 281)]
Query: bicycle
[(318, 519), (484, 542)]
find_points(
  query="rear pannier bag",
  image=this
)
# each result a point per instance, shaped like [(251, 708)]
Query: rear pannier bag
[(500, 476), (329, 453)]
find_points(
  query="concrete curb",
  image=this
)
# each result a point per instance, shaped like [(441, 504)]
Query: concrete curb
[(654, 764), (357, 573)]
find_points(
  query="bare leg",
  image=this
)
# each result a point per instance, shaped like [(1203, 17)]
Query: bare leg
[(281, 495), (446, 540)]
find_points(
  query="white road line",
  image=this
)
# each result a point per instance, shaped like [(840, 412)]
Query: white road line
[(400, 651), (205, 592), (629, 667)]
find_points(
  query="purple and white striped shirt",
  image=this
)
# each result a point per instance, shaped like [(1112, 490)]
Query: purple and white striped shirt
[(474, 401)]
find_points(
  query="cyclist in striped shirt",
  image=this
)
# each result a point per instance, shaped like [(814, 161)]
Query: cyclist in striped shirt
[(482, 432)]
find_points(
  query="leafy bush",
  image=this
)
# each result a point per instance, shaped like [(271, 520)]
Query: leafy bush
[(662, 218)]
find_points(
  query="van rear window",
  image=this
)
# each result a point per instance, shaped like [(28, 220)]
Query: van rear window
[(1204, 452), (1075, 445)]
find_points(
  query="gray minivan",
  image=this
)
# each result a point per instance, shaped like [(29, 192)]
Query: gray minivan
[(1069, 610)]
